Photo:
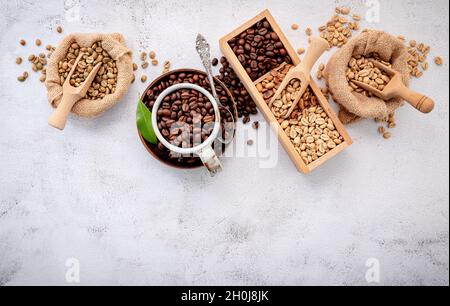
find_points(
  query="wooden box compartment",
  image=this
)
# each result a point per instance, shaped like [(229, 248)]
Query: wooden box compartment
[(251, 82)]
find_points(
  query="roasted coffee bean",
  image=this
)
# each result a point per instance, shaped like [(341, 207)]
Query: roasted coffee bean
[(189, 121), (245, 104), (259, 50), (177, 115), (215, 62)]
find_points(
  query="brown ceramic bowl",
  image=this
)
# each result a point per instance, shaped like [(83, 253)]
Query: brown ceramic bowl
[(162, 156)]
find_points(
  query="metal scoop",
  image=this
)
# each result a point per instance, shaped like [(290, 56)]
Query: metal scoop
[(203, 50), (71, 95), (396, 89), (302, 72)]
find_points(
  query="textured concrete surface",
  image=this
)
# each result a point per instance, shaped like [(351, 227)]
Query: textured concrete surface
[(94, 194)]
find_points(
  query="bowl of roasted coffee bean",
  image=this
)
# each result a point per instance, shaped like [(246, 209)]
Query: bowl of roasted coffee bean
[(173, 110), (186, 120)]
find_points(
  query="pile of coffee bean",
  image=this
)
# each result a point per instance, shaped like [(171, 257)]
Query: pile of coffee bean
[(186, 118), (339, 29), (309, 127), (283, 103), (259, 50), (187, 76), (362, 69), (106, 80), (269, 85), (244, 102)]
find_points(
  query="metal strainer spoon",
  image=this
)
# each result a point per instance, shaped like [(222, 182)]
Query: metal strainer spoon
[(203, 50)]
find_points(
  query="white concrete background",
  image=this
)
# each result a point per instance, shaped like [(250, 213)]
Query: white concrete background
[(93, 193)]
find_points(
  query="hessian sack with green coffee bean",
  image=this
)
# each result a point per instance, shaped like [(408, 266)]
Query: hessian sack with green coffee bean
[(356, 105), (118, 74)]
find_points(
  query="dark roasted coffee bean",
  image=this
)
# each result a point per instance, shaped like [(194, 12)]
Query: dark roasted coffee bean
[(172, 121), (259, 43), (214, 62)]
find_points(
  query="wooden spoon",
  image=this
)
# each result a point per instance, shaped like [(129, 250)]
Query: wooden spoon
[(302, 71), (71, 95), (396, 89)]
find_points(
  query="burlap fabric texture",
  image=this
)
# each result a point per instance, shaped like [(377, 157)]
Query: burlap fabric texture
[(355, 105), (114, 44)]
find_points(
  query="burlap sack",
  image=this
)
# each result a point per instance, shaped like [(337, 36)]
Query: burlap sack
[(114, 44), (355, 105)]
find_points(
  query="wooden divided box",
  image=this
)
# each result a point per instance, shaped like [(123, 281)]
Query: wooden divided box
[(250, 85)]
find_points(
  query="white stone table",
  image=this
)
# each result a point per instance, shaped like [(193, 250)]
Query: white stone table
[(94, 194)]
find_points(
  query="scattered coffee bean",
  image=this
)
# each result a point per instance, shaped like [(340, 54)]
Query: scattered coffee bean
[(309, 31), (166, 67), (144, 79), (155, 62), (250, 142), (295, 27), (135, 67), (259, 50), (143, 56), (417, 59), (23, 42), (23, 77), (152, 55), (215, 62), (42, 78), (38, 42), (345, 10), (245, 104), (246, 120), (255, 125), (133, 79), (356, 17), (339, 30), (19, 60), (438, 61), (300, 51), (59, 29), (387, 135), (144, 65)]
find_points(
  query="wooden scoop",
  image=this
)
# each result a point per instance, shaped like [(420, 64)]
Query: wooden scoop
[(396, 89), (302, 72), (71, 95)]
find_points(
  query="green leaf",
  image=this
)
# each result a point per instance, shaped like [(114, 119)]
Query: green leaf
[(144, 123)]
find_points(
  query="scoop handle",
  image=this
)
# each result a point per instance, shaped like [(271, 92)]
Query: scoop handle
[(59, 118), (417, 100), (315, 50)]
